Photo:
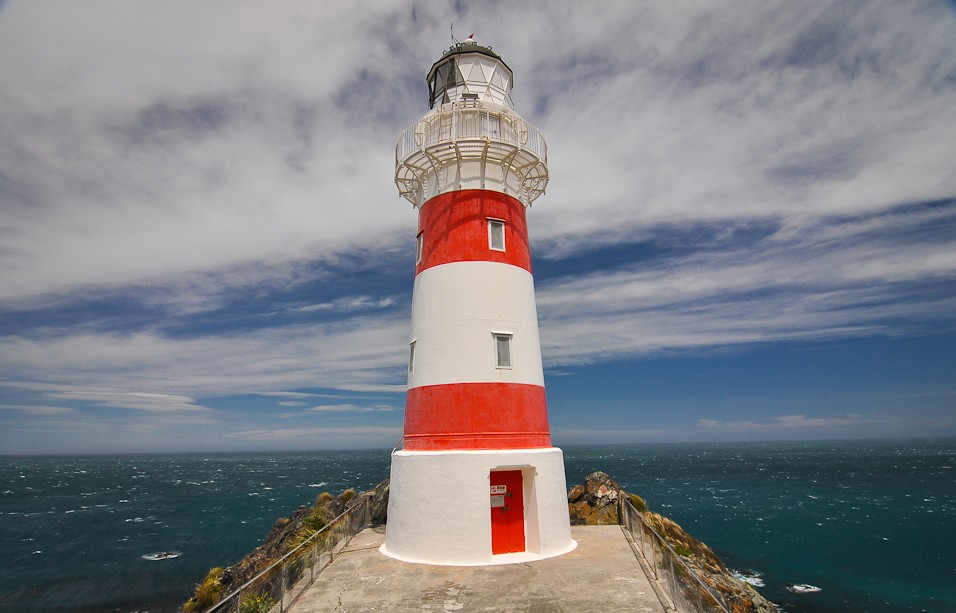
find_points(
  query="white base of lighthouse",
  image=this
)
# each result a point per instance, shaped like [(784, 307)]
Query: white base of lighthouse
[(440, 506)]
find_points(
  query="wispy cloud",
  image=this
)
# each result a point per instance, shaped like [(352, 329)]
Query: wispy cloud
[(353, 408), (140, 401), (360, 356), (347, 304), (801, 422), (380, 435), (36, 409), (834, 278), (205, 208)]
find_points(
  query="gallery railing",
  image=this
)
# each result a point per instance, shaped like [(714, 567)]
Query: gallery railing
[(682, 584), (492, 137), (279, 585)]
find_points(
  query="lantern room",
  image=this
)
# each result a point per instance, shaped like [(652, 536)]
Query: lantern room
[(469, 71)]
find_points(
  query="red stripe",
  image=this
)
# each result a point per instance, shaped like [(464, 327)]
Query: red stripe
[(476, 416), (454, 228)]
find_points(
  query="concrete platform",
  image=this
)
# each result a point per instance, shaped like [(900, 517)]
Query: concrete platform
[(601, 574)]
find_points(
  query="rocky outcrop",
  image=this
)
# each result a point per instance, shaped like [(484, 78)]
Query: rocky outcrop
[(741, 596), (378, 505), (596, 502), (287, 532)]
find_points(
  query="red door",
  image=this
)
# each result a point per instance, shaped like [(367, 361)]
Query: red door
[(507, 512)]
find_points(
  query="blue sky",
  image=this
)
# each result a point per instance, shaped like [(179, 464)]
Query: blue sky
[(749, 233)]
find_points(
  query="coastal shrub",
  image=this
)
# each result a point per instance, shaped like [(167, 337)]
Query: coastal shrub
[(639, 505), (207, 593), (347, 495), (295, 569), (324, 498), (256, 603), (316, 519), (681, 550)]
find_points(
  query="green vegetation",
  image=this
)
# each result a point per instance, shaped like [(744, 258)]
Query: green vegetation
[(316, 520), (639, 505), (207, 593), (347, 495), (681, 550), (256, 603)]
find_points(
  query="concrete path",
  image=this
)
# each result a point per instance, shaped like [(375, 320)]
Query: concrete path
[(602, 574)]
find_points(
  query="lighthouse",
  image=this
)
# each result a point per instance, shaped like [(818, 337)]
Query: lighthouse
[(477, 481)]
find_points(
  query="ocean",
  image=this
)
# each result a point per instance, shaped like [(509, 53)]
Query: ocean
[(870, 524)]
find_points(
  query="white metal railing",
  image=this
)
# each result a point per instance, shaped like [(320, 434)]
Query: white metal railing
[(277, 587), (457, 134), (467, 123), (683, 585)]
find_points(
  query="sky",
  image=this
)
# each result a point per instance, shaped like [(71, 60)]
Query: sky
[(749, 232)]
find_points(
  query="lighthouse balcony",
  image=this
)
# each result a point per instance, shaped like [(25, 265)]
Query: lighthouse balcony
[(468, 145)]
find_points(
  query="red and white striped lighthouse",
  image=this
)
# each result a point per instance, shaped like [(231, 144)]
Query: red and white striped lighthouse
[(478, 481)]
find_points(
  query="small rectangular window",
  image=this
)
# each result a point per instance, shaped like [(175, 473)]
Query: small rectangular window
[(496, 235), (411, 358), (418, 248), (502, 350)]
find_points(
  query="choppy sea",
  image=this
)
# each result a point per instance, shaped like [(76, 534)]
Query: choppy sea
[(870, 525)]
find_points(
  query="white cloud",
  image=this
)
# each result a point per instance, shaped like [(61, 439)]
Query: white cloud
[(357, 356), (571, 435), (353, 408), (347, 304), (377, 435), (188, 153), (29, 409), (140, 401), (146, 145), (786, 422)]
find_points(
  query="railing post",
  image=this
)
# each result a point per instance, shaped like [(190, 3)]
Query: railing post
[(312, 565), (673, 579), (282, 588)]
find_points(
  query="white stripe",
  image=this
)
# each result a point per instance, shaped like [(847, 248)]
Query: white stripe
[(455, 309)]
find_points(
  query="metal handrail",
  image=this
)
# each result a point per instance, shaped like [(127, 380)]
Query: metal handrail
[(263, 584), (490, 136), (679, 590), (481, 122)]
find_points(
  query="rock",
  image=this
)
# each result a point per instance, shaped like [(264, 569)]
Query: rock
[(594, 502), (378, 505)]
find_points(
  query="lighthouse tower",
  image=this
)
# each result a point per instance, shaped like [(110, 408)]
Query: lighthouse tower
[(477, 481)]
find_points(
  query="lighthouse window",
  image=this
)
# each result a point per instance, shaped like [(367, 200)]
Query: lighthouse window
[(418, 248), (411, 358), (502, 350), (496, 235)]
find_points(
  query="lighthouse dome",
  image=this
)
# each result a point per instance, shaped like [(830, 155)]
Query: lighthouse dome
[(468, 71)]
